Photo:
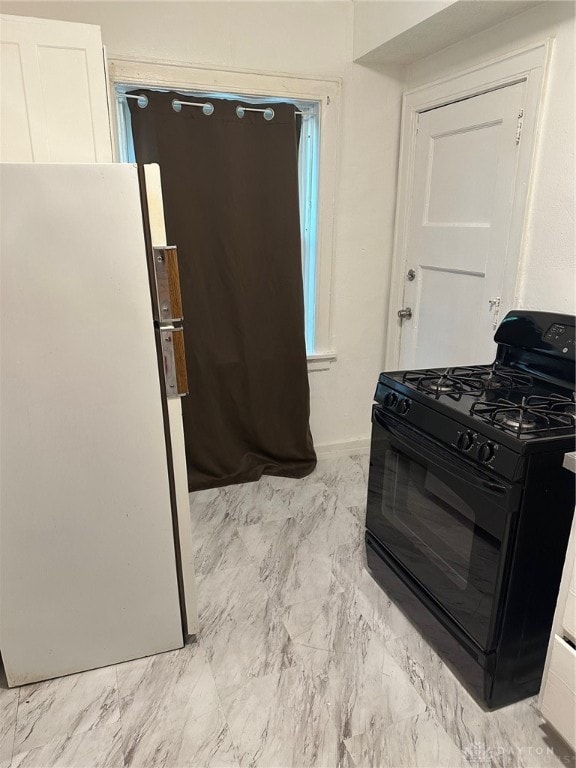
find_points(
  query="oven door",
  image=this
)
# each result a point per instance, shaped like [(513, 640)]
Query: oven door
[(444, 520)]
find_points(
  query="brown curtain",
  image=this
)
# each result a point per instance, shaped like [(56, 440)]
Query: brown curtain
[(230, 189)]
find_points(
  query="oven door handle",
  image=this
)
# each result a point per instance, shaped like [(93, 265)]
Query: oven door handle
[(434, 453)]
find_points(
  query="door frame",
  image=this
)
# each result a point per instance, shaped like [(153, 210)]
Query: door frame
[(529, 65)]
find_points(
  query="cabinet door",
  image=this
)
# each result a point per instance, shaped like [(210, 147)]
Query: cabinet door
[(54, 106), (569, 616), (558, 699)]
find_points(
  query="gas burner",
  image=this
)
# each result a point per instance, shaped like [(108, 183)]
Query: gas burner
[(534, 416), (496, 377), (518, 419), (439, 383), (440, 386)]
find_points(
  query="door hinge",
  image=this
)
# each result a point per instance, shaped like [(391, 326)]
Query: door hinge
[(519, 126)]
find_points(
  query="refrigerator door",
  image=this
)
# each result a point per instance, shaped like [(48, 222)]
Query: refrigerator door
[(88, 563)]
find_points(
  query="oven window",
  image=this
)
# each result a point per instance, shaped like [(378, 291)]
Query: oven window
[(442, 523), (434, 518)]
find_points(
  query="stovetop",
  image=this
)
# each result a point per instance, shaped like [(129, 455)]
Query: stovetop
[(502, 404), (497, 428), (506, 399), (521, 404)]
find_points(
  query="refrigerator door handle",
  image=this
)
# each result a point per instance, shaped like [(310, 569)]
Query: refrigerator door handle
[(166, 293)]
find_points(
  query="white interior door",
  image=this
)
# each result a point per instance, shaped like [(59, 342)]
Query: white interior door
[(466, 159), (88, 567), (54, 106)]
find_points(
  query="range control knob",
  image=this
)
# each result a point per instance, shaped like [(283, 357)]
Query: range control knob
[(390, 399), (486, 452), (404, 405), (466, 440)]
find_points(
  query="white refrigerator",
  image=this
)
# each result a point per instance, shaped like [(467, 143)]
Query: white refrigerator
[(95, 542)]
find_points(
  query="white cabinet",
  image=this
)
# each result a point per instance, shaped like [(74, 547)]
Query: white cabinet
[(54, 105), (557, 701), (569, 620)]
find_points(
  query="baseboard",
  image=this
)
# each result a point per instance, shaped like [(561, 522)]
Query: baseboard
[(348, 448)]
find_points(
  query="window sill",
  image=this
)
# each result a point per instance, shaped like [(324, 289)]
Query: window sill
[(321, 361)]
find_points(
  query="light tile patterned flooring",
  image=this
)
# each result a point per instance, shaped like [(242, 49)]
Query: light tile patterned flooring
[(301, 661)]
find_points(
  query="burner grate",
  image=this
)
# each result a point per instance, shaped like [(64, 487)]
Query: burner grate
[(535, 416), (439, 383), (558, 403), (471, 380), (497, 377)]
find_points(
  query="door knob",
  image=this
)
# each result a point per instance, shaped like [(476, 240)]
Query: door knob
[(405, 314)]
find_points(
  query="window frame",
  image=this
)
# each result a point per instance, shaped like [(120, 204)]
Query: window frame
[(326, 92)]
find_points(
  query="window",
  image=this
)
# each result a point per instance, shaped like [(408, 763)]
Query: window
[(307, 178), (319, 101)]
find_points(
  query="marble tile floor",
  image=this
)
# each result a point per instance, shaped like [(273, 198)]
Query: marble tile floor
[(301, 661)]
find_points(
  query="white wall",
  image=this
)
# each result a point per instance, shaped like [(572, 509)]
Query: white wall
[(315, 39), (387, 31), (546, 279), (303, 38), (377, 21)]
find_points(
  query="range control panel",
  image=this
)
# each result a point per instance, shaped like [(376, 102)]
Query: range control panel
[(549, 333), (561, 337)]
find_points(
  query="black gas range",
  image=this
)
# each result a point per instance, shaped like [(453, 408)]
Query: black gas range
[(469, 506)]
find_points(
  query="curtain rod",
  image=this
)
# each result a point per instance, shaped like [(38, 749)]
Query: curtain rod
[(207, 106)]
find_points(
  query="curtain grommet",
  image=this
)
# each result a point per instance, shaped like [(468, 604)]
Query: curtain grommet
[(268, 113), (208, 108)]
